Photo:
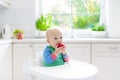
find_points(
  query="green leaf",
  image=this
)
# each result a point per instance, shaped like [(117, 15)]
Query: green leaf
[(18, 31), (44, 22)]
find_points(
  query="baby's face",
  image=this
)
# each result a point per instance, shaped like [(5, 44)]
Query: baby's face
[(54, 39)]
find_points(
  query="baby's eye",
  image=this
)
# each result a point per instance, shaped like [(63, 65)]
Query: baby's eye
[(55, 38), (61, 37)]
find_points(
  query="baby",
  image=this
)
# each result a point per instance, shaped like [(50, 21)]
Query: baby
[(54, 53)]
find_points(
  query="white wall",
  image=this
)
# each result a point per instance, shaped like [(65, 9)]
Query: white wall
[(113, 18), (21, 15)]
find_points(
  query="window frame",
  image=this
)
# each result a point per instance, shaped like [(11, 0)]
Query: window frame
[(74, 32)]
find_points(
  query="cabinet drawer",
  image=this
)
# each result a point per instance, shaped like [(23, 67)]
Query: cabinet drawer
[(106, 47), (22, 45), (40, 45)]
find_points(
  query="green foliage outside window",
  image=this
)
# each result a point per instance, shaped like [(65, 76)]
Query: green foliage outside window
[(84, 22), (84, 13), (91, 9)]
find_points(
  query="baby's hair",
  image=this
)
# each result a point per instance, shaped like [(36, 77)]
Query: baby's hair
[(52, 32)]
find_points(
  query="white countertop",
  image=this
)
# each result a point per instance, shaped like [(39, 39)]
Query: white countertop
[(3, 41), (66, 40), (72, 40)]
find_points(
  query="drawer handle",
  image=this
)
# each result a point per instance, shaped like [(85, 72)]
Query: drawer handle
[(30, 45), (114, 48)]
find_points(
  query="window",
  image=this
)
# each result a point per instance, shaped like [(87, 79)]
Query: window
[(75, 16)]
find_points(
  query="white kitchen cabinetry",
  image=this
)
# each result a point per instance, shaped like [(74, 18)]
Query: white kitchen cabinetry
[(79, 52), (107, 58), (21, 53), (5, 3), (5, 62)]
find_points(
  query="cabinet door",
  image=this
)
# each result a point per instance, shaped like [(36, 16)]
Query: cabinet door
[(107, 58), (79, 52), (6, 62), (21, 53)]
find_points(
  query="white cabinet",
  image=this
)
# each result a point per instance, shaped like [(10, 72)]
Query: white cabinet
[(5, 61), (21, 53), (79, 52), (107, 58), (5, 3)]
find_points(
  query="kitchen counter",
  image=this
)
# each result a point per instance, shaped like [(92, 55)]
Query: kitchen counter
[(3, 41), (72, 40), (66, 40)]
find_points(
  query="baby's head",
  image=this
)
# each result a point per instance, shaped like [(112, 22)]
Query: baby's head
[(54, 36)]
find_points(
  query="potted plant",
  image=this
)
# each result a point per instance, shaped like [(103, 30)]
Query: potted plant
[(43, 23), (18, 34), (99, 30)]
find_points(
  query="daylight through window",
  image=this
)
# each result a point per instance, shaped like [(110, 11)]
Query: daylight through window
[(77, 16)]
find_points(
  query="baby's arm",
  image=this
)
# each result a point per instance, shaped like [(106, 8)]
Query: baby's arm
[(66, 57), (48, 56)]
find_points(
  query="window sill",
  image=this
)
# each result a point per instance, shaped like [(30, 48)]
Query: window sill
[(83, 34)]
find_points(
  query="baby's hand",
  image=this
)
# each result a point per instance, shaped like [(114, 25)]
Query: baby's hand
[(64, 52), (59, 50)]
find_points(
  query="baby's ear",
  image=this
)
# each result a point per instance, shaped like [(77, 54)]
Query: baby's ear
[(47, 40)]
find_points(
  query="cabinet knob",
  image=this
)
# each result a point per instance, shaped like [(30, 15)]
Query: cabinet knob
[(30, 45)]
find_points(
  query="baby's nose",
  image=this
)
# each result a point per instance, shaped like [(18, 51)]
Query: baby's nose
[(59, 40)]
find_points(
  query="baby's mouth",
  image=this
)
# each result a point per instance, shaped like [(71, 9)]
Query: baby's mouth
[(60, 45)]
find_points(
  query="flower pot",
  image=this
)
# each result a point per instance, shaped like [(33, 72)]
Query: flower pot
[(99, 33)]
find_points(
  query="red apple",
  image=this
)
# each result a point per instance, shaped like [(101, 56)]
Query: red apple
[(60, 45)]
